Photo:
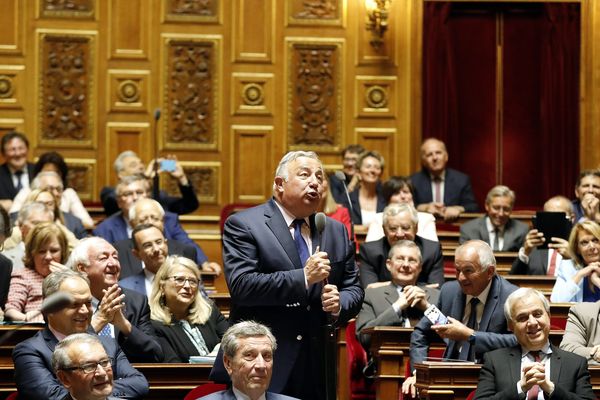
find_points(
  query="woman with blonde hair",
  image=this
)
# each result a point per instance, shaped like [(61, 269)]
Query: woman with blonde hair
[(45, 246), (186, 323), (578, 279)]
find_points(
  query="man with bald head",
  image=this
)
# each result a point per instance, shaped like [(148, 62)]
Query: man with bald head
[(441, 191), (535, 261)]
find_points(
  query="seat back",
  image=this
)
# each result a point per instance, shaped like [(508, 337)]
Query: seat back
[(360, 387), (203, 390), (230, 209)]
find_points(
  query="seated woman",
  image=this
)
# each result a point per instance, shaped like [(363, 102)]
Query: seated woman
[(367, 199), (69, 200), (45, 245), (399, 189), (333, 209), (185, 322), (578, 279), (5, 263)]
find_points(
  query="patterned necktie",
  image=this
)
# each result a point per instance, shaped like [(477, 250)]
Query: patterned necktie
[(466, 352), (532, 394), (105, 331), (299, 241), (19, 186), (437, 184)]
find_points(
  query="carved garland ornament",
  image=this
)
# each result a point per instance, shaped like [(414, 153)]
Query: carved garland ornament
[(67, 5), (318, 9), (192, 7)]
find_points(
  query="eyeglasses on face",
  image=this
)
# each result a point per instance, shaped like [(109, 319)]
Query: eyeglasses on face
[(88, 368), (181, 280)]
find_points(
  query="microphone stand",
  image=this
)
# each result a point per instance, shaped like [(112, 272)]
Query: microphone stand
[(155, 178)]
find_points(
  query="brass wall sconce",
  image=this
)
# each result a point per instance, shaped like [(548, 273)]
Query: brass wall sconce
[(377, 20)]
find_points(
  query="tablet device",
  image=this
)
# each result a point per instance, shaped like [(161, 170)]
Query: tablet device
[(552, 224)]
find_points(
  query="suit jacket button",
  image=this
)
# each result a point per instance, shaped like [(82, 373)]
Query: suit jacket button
[(307, 308), (299, 337)]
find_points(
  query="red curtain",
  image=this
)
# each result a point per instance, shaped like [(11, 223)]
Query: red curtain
[(539, 65)]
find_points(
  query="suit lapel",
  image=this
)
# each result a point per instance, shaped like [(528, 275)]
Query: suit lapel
[(49, 338), (514, 363), (509, 234), (555, 365), (483, 232), (277, 225), (490, 304), (390, 293)]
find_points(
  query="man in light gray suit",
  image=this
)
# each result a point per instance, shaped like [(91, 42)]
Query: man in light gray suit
[(497, 229), (248, 349), (400, 302), (582, 333)]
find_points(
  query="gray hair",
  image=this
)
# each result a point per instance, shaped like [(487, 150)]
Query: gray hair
[(484, 253), (60, 357), (118, 164), (31, 208), (397, 208), (37, 181), (522, 293), (245, 329), (133, 212), (282, 168), (401, 244), (53, 281), (80, 255), (128, 180), (500, 191)]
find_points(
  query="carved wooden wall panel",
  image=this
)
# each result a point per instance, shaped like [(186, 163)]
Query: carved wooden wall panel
[(128, 33), (12, 86), (82, 177), (252, 94), (191, 10), (315, 12), (382, 140), (83, 9), (191, 92), (121, 136), (67, 81), (11, 27), (252, 168), (315, 93), (387, 53), (375, 96), (129, 90), (253, 30), (204, 176)]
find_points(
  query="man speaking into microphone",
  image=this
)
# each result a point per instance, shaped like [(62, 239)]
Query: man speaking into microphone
[(281, 272)]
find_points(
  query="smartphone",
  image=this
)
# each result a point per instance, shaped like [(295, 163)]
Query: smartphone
[(167, 165), (435, 315)]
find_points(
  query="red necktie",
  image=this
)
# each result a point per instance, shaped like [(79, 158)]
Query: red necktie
[(437, 183), (532, 394), (552, 265)]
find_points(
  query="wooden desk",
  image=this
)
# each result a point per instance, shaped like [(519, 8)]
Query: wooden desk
[(10, 336), (208, 279), (543, 283)]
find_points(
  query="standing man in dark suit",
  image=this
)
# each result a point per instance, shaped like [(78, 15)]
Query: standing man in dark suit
[(34, 375), (534, 366), (248, 349), (401, 302), (496, 228), (350, 156), (473, 304), (120, 313), (535, 261), (443, 192), (280, 271), (16, 172), (399, 223)]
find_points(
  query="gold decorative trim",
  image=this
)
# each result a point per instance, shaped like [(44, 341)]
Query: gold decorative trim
[(252, 94), (129, 91), (314, 12), (6, 87), (68, 11), (376, 97), (216, 18)]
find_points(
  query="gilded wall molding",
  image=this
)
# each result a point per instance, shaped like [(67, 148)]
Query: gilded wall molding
[(79, 9), (82, 177), (188, 11), (252, 93), (375, 96), (11, 86), (316, 12), (129, 90)]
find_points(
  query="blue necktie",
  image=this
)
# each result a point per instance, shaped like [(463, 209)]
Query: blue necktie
[(299, 241), (19, 186), (105, 331)]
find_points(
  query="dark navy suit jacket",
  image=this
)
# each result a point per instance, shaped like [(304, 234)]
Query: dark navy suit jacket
[(7, 187), (457, 189), (36, 380), (355, 213)]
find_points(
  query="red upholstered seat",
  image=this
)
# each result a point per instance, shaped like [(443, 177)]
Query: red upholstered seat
[(360, 387), (203, 390)]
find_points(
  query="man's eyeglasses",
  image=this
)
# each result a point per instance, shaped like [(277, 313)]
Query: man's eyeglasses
[(180, 281), (88, 368)]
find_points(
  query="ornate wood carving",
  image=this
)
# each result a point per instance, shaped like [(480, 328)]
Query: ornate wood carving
[(67, 8), (6, 87), (193, 7), (314, 102), (204, 180), (190, 92), (65, 87), (79, 179), (318, 9)]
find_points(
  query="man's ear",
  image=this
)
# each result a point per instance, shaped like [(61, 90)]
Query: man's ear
[(80, 267), (64, 378), (388, 264), (227, 363), (279, 184), (510, 325), (136, 253)]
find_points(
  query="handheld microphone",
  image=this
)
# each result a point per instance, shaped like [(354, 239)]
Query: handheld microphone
[(155, 181), (342, 177), (320, 222)]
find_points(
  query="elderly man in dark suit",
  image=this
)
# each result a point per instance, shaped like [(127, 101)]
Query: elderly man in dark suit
[(534, 366), (120, 313), (402, 301), (280, 271), (16, 172), (443, 192), (473, 305), (399, 223), (34, 375), (497, 228)]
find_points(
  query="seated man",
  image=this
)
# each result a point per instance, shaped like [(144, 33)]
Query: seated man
[(443, 192), (16, 172), (535, 261), (403, 301), (248, 349), (399, 223), (533, 365), (120, 313), (34, 376), (149, 211), (350, 156), (128, 163), (582, 333), (497, 229), (473, 305), (587, 192), (83, 367)]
